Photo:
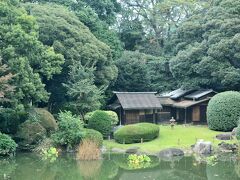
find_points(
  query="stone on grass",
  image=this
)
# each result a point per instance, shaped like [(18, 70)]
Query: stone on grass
[(226, 147), (202, 147), (170, 152), (132, 150), (226, 136)]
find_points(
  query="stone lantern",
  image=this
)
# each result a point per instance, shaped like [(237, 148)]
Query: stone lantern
[(172, 122)]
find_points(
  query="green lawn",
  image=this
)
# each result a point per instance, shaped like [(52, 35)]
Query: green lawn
[(180, 137)]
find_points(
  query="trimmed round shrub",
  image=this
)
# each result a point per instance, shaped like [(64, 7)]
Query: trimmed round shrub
[(7, 145), (46, 119), (94, 135), (135, 132), (223, 111), (114, 117), (100, 121), (88, 116)]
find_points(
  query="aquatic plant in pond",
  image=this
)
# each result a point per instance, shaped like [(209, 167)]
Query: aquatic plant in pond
[(211, 160), (138, 161), (88, 150), (50, 154)]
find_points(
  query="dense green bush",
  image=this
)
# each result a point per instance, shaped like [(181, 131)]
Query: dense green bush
[(70, 130), (88, 116), (101, 122), (46, 119), (10, 119), (133, 133), (223, 111), (30, 134), (94, 135), (7, 145)]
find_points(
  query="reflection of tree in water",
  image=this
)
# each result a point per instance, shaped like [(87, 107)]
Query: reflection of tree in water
[(237, 169), (7, 167), (176, 168), (223, 170)]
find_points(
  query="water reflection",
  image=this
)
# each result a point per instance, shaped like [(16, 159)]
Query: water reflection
[(30, 166)]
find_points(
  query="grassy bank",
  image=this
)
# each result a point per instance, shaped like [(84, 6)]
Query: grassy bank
[(180, 137)]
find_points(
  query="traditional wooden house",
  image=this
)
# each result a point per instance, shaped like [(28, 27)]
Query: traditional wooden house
[(186, 106), (135, 107)]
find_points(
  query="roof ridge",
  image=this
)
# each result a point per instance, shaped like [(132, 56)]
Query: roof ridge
[(117, 92)]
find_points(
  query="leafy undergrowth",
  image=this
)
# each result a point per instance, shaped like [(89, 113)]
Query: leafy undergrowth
[(180, 137)]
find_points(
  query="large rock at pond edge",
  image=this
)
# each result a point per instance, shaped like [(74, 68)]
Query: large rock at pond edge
[(132, 150), (234, 131), (226, 136), (202, 147), (170, 152), (226, 147)]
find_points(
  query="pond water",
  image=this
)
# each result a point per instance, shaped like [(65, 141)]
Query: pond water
[(27, 166)]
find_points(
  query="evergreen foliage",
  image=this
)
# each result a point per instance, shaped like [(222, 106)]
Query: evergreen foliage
[(25, 55), (7, 145), (70, 130)]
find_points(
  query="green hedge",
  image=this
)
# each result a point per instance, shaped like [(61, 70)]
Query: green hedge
[(101, 122), (7, 145), (133, 133), (94, 135), (223, 111)]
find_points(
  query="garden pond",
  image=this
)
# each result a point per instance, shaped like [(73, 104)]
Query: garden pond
[(27, 166)]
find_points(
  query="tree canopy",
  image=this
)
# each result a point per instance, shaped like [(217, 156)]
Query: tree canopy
[(207, 48), (71, 54), (26, 56), (63, 31)]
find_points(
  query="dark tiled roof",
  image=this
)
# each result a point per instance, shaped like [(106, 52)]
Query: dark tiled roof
[(176, 94), (166, 101), (138, 100), (199, 94), (188, 103)]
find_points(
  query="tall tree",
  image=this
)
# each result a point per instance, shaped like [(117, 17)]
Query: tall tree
[(63, 30), (25, 55), (207, 50), (5, 87), (133, 74), (160, 18), (98, 16), (83, 95)]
